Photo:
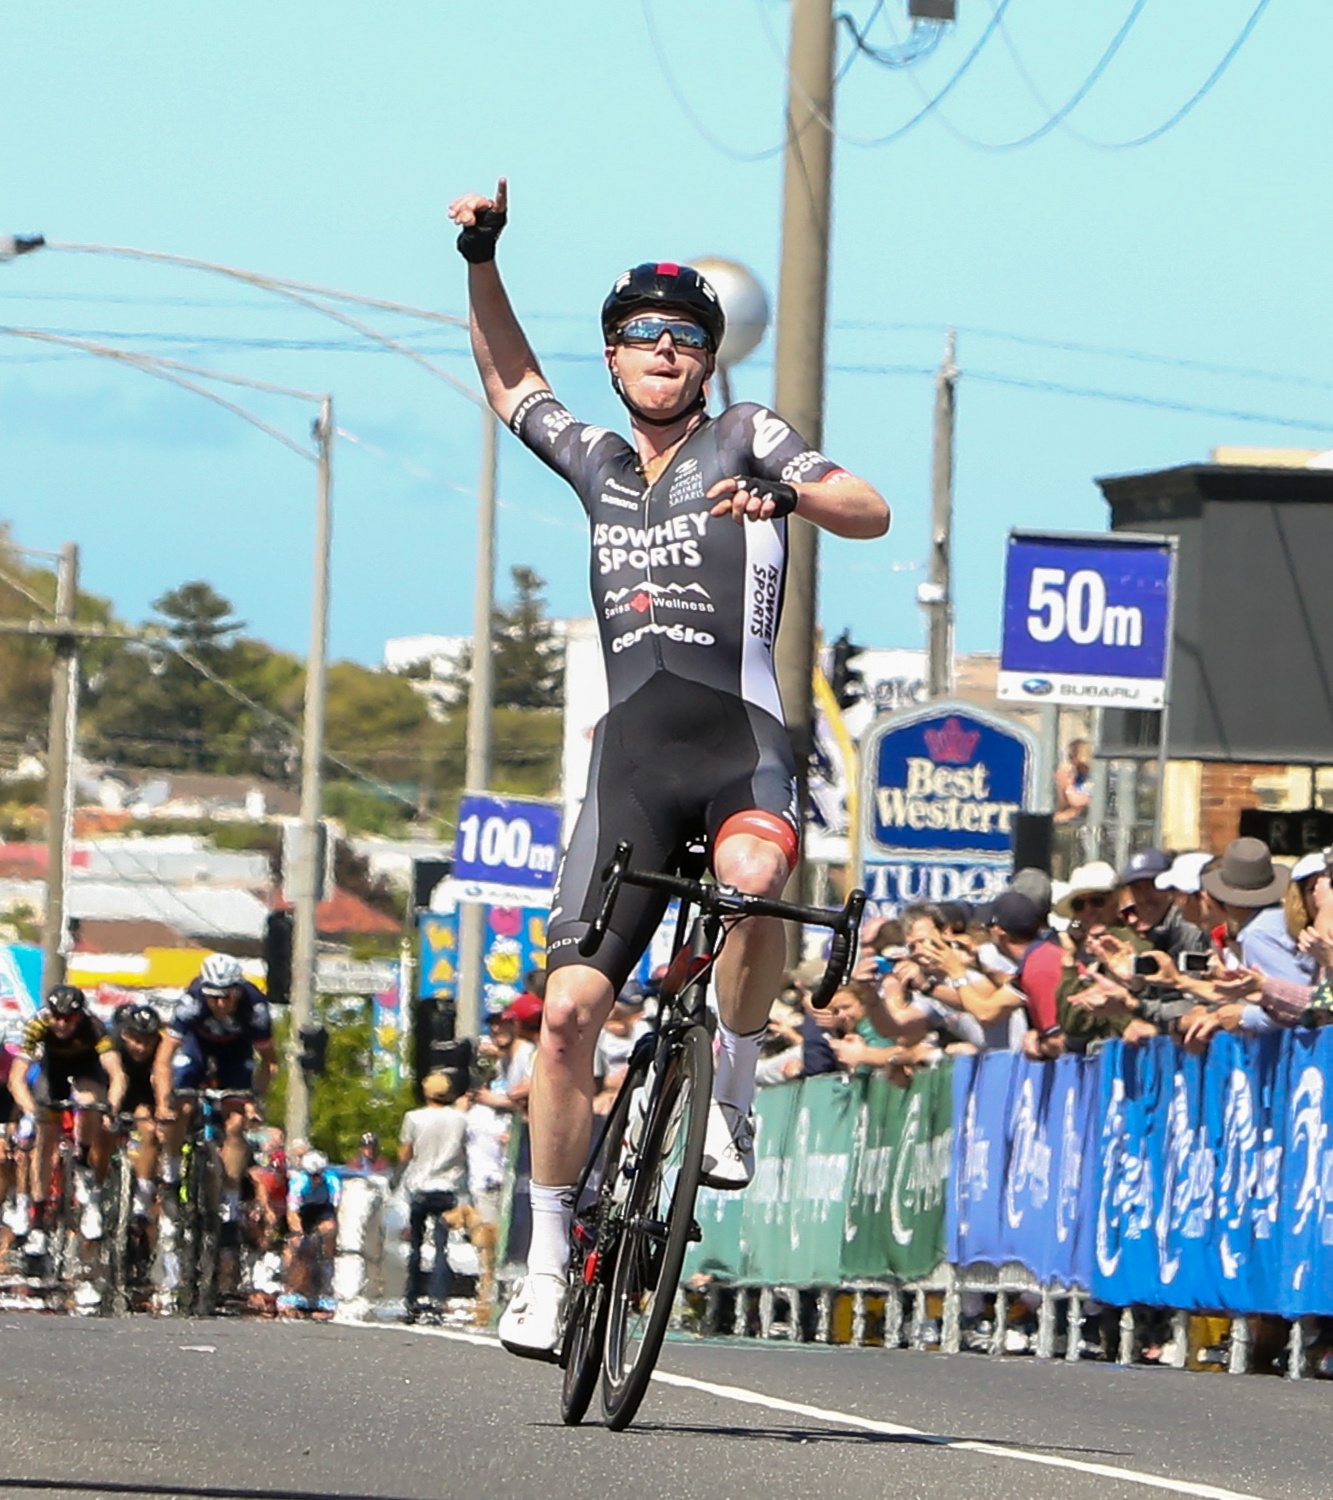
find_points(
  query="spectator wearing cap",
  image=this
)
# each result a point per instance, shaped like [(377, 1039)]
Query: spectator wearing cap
[(1184, 881), (512, 1045), (1094, 1002), (433, 1150), (1018, 928), (1152, 913)]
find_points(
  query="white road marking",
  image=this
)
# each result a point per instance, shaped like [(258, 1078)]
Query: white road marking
[(887, 1429)]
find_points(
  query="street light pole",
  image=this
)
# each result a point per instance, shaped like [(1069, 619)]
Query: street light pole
[(937, 594), (308, 874), (60, 769), (477, 773)]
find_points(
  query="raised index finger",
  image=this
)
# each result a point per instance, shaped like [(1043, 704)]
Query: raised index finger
[(502, 195)]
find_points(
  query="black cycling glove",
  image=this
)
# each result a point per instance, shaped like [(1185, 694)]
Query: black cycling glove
[(476, 242), (783, 496)]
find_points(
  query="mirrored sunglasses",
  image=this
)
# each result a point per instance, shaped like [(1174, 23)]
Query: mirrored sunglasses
[(644, 332)]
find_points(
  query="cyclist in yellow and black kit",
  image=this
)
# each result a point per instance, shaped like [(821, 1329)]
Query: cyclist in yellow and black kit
[(76, 1060)]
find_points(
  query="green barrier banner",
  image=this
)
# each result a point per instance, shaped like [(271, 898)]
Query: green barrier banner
[(895, 1207), (849, 1184)]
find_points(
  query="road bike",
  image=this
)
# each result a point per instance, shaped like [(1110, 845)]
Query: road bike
[(126, 1238), (199, 1212), (634, 1201)]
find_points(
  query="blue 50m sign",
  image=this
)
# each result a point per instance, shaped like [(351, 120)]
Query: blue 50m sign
[(1087, 619)]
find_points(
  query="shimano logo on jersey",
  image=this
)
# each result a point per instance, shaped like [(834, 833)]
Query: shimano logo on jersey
[(795, 469), (617, 501), (525, 406), (684, 634), (622, 489), (672, 543), (769, 431), (641, 597), (764, 602)]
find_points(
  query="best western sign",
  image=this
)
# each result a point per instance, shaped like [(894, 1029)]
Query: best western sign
[(943, 787)]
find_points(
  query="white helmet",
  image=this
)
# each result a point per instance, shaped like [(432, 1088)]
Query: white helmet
[(314, 1162), (221, 971)]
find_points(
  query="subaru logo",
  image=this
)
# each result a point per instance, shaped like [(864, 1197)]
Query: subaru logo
[(1038, 687)]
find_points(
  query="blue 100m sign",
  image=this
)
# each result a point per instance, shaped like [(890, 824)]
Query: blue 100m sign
[(1087, 619)]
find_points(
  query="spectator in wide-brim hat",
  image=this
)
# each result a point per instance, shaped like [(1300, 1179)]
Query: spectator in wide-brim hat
[(1093, 1004), (1250, 890), (1093, 889)]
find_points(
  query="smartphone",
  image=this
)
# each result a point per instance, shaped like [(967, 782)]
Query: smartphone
[(1194, 963), (1145, 964)]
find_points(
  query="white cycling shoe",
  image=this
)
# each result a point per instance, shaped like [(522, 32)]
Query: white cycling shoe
[(90, 1222), (728, 1161), (534, 1322)]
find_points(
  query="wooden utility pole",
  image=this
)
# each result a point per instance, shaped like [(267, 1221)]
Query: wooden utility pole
[(60, 767), (802, 316)]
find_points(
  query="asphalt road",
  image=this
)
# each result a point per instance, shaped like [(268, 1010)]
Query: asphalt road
[(261, 1411)]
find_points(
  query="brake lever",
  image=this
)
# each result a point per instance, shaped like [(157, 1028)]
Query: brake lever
[(612, 878), (842, 951)]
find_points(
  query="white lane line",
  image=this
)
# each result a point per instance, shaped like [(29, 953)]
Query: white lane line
[(887, 1429)]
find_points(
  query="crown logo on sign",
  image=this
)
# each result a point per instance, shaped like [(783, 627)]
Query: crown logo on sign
[(951, 743)]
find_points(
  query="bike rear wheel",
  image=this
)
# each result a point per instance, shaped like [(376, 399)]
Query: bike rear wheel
[(598, 1203), (657, 1226)]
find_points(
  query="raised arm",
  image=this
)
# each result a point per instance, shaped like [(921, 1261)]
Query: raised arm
[(508, 368)]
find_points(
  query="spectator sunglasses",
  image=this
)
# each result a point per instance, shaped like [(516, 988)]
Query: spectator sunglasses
[(1098, 899), (644, 331)]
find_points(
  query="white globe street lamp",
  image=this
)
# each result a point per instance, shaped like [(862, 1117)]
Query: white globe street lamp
[(745, 304)]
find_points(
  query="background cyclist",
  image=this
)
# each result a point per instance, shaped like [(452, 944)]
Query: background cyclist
[(694, 741), (221, 1037), (76, 1059), (139, 1037)]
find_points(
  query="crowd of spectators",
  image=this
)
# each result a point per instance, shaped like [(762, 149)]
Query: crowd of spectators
[(1181, 946)]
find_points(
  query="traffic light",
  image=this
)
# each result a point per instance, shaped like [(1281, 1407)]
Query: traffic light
[(314, 1053), (846, 680), (278, 956)]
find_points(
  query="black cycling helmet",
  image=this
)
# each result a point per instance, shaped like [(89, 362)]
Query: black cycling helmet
[(662, 285), (66, 1000), (140, 1020)]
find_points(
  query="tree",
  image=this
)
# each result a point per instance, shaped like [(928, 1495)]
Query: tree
[(347, 1099), (526, 655)]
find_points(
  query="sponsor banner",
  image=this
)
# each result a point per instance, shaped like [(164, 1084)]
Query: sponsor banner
[(1304, 1222), (1087, 619), (515, 943), (944, 783), (20, 988), (907, 882)]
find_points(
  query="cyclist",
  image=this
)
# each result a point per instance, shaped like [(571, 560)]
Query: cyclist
[(77, 1059), (17, 1215), (694, 740), (139, 1037), (221, 1036), (313, 1194)]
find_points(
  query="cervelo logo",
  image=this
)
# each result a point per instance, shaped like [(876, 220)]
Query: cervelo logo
[(673, 543), (769, 431), (684, 635)]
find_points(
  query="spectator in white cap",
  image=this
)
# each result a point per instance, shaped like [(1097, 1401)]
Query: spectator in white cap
[(1301, 903), (1185, 882)]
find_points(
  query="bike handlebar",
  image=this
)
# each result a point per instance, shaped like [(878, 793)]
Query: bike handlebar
[(722, 900)]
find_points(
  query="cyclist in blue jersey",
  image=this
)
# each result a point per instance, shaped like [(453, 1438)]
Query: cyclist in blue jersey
[(223, 1038), (694, 741), (313, 1194)]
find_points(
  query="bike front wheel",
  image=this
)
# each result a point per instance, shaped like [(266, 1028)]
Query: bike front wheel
[(598, 1206), (657, 1225)]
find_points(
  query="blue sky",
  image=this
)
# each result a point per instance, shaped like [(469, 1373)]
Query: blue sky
[(323, 143)]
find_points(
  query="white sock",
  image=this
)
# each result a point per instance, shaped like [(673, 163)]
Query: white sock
[(171, 1171), (552, 1212), (733, 1073), (143, 1192)]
